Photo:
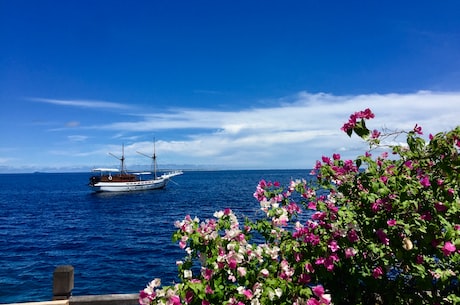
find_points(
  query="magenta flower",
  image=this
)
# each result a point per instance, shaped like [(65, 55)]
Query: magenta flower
[(391, 222), (189, 296), (383, 237), (425, 181), (304, 278), (248, 293), (333, 246), (209, 290), (232, 263), (312, 205), (353, 236), (418, 129), (318, 290), (448, 248), (350, 252), (175, 300), (419, 259), (408, 164), (377, 273), (309, 268), (375, 134), (440, 207), (313, 301), (426, 216)]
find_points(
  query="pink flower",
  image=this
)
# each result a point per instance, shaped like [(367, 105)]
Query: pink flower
[(448, 248), (209, 290), (391, 222), (207, 274), (145, 298), (383, 237), (232, 262), (189, 296), (204, 302), (241, 271), (309, 268), (408, 164), (419, 259), (418, 129), (353, 236), (440, 207), (375, 134), (264, 272), (333, 246), (425, 181), (175, 300), (426, 216), (318, 290), (320, 261), (377, 273), (350, 252), (313, 301), (304, 278), (336, 156), (248, 293)]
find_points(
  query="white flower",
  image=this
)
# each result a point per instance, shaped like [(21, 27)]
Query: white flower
[(219, 214), (264, 272), (155, 283), (187, 274)]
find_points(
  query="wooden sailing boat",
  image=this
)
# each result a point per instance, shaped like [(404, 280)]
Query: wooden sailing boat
[(119, 180)]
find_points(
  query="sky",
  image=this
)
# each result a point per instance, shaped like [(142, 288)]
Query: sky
[(218, 84)]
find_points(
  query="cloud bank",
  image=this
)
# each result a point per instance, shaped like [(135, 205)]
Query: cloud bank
[(289, 132), (293, 134)]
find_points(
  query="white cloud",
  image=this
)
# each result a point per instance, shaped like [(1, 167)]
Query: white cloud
[(297, 132), (77, 138), (82, 103), (293, 132)]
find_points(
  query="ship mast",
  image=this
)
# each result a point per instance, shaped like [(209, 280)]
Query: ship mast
[(122, 159), (154, 159)]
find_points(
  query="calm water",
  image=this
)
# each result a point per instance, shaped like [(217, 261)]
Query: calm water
[(116, 242)]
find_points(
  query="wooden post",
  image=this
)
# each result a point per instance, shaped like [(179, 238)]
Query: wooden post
[(62, 282)]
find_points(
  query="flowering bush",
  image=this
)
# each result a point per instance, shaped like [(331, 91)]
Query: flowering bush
[(379, 230)]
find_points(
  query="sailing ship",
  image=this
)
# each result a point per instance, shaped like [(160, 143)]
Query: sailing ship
[(120, 180)]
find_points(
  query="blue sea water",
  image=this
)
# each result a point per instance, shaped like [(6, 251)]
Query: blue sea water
[(117, 243)]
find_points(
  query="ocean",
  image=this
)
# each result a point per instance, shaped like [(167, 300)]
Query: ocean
[(117, 243)]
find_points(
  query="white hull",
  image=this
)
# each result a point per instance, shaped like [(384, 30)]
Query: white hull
[(141, 185), (130, 186)]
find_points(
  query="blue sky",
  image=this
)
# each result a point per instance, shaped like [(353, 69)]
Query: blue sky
[(219, 84)]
